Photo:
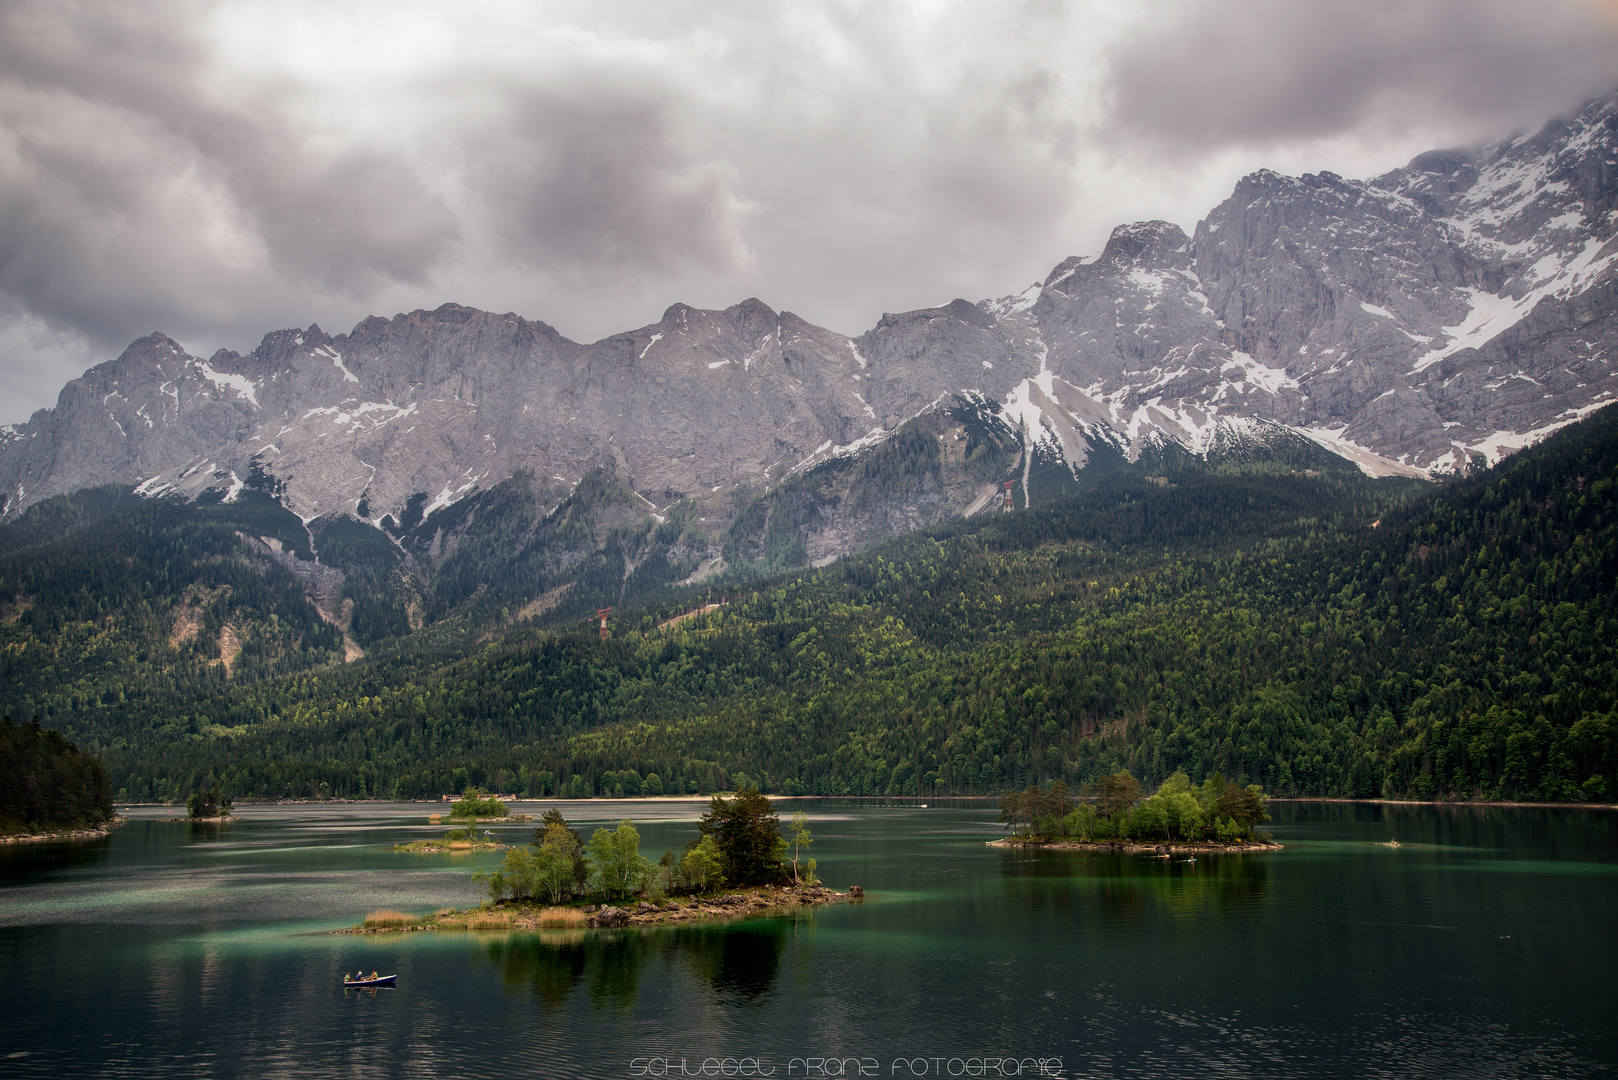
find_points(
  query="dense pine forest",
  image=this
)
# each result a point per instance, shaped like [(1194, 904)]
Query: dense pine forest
[(46, 782), (1307, 629)]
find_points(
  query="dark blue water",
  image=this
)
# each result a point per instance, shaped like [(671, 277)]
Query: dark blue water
[(1484, 946)]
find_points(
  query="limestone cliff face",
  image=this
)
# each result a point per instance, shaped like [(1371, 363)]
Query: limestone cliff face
[(448, 402), (1428, 320)]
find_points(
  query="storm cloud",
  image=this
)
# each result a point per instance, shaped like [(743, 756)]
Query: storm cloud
[(1263, 72), (217, 170)]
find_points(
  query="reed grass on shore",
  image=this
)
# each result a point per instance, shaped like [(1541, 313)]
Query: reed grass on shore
[(387, 917), (563, 917)]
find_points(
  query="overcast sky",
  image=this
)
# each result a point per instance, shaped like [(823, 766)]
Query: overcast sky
[(219, 170)]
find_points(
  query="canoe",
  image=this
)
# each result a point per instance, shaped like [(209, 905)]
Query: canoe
[(381, 980)]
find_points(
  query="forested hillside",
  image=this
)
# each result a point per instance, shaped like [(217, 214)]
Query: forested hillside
[(45, 781), (108, 599), (1319, 633)]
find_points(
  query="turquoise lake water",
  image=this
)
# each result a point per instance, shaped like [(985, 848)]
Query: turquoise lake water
[(1483, 946)]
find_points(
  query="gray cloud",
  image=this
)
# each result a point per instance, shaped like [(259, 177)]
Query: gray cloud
[(1263, 72), (132, 197), (219, 169), (589, 182)]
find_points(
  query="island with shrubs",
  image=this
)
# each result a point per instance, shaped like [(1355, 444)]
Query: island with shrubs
[(738, 864), (474, 808), (1180, 816), (208, 805)]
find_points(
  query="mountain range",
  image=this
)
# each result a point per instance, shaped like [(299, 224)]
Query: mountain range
[(1420, 324), (1270, 523)]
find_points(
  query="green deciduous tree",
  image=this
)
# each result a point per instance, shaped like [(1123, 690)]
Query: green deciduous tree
[(557, 859), (1185, 815), (800, 840), (1151, 818), (703, 866), (518, 876), (616, 865)]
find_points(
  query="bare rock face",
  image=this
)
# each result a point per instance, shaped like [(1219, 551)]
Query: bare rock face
[(1425, 321)]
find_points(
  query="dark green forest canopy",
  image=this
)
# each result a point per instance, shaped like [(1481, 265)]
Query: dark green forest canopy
[(46, 781), (1250, 621)]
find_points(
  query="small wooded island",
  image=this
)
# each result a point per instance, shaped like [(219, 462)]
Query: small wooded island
[(738, 864), (475, 808), (208, 805), (1180, 817), (49, 788)]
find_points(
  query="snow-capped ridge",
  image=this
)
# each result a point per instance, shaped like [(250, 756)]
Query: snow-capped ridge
[(1420, 322)]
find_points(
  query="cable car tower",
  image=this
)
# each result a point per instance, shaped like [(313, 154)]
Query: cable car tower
[(1010, 501), (602, 613)]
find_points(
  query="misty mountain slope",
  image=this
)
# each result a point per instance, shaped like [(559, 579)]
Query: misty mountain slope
[(1423, 322)]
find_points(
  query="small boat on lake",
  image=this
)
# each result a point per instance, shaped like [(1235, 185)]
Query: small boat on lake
[(381, 980)]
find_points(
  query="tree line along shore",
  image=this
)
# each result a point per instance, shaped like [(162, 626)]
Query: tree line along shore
[(49, 787)]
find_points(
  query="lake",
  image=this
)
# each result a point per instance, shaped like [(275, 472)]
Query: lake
[(1483, 946)]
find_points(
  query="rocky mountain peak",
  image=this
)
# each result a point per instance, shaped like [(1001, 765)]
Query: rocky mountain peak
[(1424, 321), (1157, 243)]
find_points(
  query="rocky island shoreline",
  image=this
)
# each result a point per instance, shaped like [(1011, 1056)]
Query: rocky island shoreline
[(75, 832), (1176, 847), (765, 900)]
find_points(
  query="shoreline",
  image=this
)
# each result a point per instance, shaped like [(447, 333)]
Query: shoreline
[(523, 916), (104, 829), (1175, 847), (1451, 802), (896, 801)]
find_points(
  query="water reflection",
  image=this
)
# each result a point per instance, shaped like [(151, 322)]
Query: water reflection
[(740, 963), (553, 966), (550, 966), (1482, 945), (19, 861), (1134, 886)]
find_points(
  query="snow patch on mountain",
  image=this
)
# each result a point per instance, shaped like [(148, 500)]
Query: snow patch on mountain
[(1501, 443), (241, 384), (1370, 462)]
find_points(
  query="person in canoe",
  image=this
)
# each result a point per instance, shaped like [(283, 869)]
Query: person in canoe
[(359, 978)]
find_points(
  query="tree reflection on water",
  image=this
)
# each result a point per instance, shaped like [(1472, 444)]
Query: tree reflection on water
[(1130, 886), (740, 963)]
